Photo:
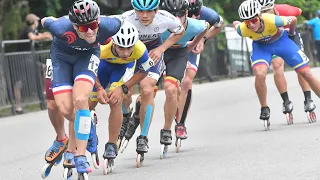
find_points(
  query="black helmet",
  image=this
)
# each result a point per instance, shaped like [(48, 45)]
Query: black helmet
[(195, 5), (174, 5), (84, 12)]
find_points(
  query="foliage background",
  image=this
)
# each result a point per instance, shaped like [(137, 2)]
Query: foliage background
[(13, 12)]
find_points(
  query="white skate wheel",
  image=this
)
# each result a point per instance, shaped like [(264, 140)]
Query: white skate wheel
[(94, 161), (45, 171), (162, 151), (138, 161), (105, 166)]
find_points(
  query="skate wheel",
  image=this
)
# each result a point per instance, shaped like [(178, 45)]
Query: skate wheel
[(124, 145), (110, 165), (46, 170), (95, 160), (312, 117), (67, 173), (105, 166), (289, 117), (163, 151), (138, 160), (266, 125), (118, 144), (178, 144)]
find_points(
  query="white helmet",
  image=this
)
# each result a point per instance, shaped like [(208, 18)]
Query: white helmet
[(127, 35), (266, 3), (249, 9)]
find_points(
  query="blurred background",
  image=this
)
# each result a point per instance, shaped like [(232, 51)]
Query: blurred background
[(22, 70)]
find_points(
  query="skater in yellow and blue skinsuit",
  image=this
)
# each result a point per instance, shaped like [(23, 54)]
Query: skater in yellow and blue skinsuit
[(269, 39)]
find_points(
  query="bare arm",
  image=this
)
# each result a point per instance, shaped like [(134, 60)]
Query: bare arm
[(172, 39), (40, 36), (214, 31), (136, 78), (198, 38)]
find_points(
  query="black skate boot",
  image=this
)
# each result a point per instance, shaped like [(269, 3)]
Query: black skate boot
[(126, 118), (287, 110), (142, 147), (309, 108), (131, 129), (165, 141), (265, 115)]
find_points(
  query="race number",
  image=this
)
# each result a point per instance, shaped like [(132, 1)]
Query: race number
[(148, 64), (49, 71), (94, 64)]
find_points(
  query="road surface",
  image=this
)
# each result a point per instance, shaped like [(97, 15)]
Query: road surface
[(226, 140)]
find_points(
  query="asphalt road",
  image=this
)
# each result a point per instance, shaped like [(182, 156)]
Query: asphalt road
[(226, 139)]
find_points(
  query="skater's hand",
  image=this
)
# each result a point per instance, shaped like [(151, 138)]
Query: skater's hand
[(115, 96), (155, 55), (199, 47), (190, 46), (102, 96)]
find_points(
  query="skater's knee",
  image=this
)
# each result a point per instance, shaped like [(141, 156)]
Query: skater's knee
[(171, 90), (260, 75), (186, 83), (115, 106), (147, 92), (80, 101), (277, 65), (52, 106), (305, 74), (67, 110)]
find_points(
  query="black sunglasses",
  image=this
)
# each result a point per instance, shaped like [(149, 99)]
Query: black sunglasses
[(191, 13)]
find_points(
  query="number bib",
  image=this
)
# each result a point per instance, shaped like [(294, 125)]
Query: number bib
[(49, 71)]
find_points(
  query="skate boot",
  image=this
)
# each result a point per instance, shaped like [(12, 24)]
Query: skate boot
[(181, 134), (92, 146), (142, 147), (309, 108), (131, 129), (53, 156), (287, 110), (165, 141), (68, 164), (83, 167), (265, 115), (126, 118), (110, 153)]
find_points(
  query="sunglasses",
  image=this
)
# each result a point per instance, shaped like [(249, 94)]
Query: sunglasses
[(253, 20), (179, 13), (92, 26), (191, 13)]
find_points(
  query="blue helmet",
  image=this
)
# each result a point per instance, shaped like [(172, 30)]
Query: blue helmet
[(145, 5)]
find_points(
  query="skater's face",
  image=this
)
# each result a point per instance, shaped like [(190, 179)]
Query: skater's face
[(253, 23), (146, 17), (88, 32), (122, 52)]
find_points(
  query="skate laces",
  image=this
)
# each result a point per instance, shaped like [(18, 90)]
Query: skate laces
[(111, 149), (142, 140), (54, 149)]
